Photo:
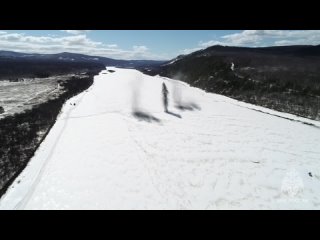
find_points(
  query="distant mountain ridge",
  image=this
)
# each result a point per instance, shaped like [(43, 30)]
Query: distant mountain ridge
[(293, 50), (16, 65), (75, 57)]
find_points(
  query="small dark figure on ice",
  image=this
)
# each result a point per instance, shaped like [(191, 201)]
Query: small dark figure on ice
[(165, 97)]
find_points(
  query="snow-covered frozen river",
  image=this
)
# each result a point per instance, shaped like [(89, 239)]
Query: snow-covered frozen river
[(213, 153)]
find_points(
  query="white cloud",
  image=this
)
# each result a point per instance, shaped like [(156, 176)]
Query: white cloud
[(76, 32), (78, 43), (112, 45), (140, 48), (272, 37), (244, 38), (287, 42)]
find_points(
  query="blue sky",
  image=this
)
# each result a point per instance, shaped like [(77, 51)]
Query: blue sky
[(146, 44)]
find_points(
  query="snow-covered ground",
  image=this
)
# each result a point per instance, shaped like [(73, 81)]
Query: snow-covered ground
[(16, 97), (211, 152)]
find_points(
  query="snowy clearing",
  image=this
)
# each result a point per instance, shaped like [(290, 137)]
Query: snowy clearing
[(16, 97), (117, 149)]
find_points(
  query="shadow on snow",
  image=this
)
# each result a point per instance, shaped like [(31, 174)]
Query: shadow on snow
[(143, 116)]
